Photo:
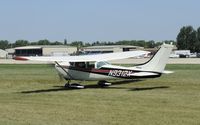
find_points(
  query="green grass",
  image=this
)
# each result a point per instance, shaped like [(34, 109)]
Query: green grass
[(33, 95)]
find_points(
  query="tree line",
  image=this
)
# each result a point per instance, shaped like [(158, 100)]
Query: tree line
[(187, 39), (5, 44)]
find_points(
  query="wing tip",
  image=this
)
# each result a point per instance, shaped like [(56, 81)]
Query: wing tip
[(20, 58)]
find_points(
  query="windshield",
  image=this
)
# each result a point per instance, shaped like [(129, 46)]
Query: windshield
[(98, 65)]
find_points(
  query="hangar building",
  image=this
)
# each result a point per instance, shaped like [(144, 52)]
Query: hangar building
[(109, 49), (46, 50), (3, 54)]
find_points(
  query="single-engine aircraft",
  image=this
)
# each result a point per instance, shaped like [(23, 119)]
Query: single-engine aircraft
[(96, 67)]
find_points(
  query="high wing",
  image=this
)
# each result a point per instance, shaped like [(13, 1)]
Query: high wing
[(87, 58)]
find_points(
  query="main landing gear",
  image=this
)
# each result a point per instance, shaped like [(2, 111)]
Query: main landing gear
[(74, 85), (104, 83)]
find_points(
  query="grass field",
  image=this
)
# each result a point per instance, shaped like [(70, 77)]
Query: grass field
[(33, 95)]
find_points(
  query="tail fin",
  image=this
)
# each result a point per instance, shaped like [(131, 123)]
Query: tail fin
[(158, 62)]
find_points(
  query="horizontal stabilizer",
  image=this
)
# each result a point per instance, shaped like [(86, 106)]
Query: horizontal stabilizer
[(167, 72), (143, 74)]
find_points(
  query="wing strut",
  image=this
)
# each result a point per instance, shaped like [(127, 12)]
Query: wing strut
[(64, 71)]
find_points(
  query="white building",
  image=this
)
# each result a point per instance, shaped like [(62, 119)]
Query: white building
[(3, 54), (112, 48), (46, 50)]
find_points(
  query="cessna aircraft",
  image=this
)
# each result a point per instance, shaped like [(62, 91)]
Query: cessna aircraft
[(96, 67)]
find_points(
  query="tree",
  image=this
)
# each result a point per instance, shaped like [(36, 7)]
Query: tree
[(150, 44), (157, 44), (4, 44), (198, 34), (43, 42), (197, 44), (21, 43), (34, 43), (65, 41), (169, 42), (187, 38), (77, 43), (56, 43), (181, 39), (87, 44), (192, 41), (96, 43)]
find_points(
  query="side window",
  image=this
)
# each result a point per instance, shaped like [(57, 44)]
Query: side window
[(89, 65), (82, 64)]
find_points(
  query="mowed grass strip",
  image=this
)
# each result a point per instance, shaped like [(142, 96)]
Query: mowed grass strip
[(33, 95)]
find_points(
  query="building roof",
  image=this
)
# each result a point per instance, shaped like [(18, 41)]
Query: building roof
[(3, 51), (11, 50), (43, 46), (112, 46), (28, 47)]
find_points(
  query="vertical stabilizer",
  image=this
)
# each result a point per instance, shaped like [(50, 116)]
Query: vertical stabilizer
[(158, 62)]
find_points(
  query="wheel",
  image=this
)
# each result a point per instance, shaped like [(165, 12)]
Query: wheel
[(67, 85), (76, 86), (103, 83)]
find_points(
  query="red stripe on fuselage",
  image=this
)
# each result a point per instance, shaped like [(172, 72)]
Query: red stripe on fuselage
[(91, 70)]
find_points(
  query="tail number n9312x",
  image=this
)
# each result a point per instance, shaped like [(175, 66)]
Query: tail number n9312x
[(120, 73)]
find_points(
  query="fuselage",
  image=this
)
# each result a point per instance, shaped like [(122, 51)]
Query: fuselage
[(102, 70), (105, 72)]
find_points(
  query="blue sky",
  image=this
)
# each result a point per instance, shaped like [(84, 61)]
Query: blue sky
[(96, 20)]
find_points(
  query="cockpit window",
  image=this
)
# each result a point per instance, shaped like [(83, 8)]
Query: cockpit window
[(88, 65), (98, 65)]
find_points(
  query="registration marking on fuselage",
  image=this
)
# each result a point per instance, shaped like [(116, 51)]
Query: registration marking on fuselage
[(120, 73)]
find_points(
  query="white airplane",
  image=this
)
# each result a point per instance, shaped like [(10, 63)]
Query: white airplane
[(96, 67)]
